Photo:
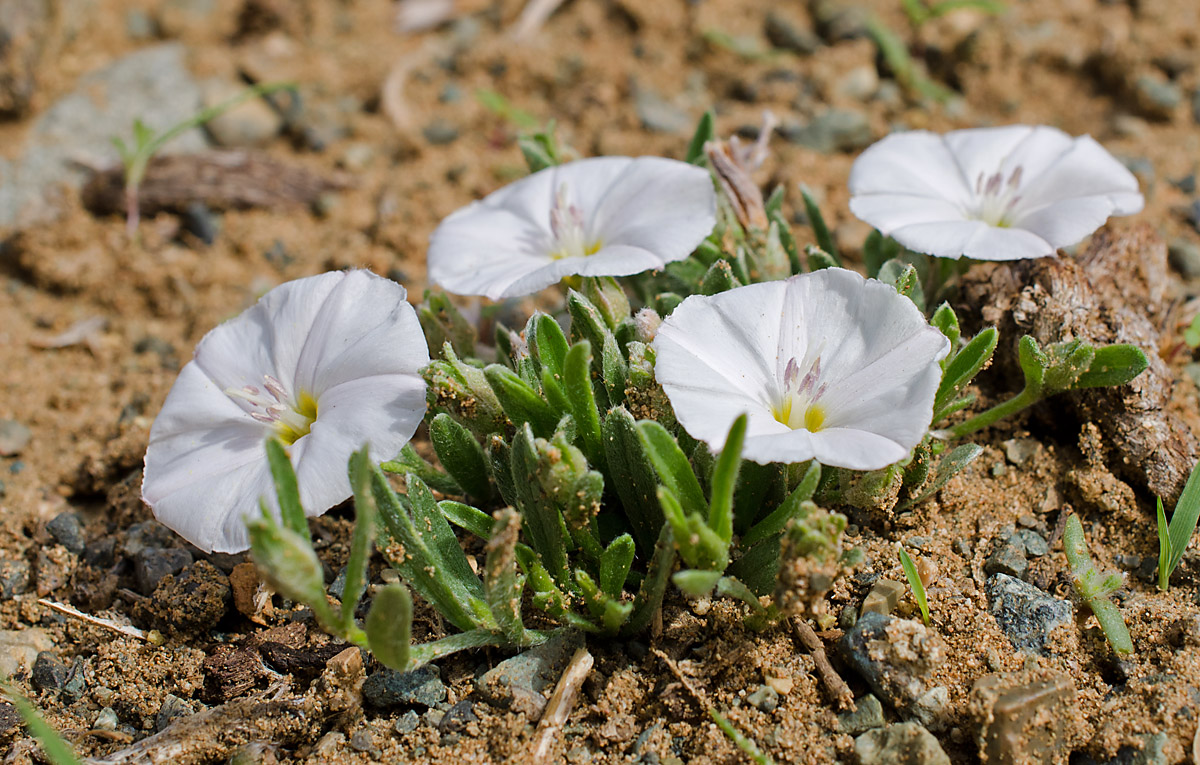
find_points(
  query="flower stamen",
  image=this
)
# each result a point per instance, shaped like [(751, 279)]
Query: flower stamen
[(996, 198), (291, 417), (567, 227), (798, 405)]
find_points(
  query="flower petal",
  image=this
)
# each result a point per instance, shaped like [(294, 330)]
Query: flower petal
[(918, 163), (857, 449), (889, 212), (982, 152), (381, 412), (1083, 170), (364, 328), (972, 239), (643, 213)]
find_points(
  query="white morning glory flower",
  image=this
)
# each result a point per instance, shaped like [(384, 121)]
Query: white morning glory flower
[(605, 216), (327, 364), (827, 365), (1000, 193)]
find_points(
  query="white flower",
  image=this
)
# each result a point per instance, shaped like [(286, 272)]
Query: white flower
[(605, 216), (327, 364), (826, 365), (990, 193)]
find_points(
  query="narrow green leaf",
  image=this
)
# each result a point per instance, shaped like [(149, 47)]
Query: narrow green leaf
[(1164, 547), (286, 489), (548, 343), (914, 581), (365, 514), (469, 518), (673, 467), (633, 476), (501, 582), (389, 626), (520, 401), (1033, 361), (287, 562), (654, 584), (461, 455), (778, 519), (577, 384), (1184, 518), (56, 749), (705, 132), (1113, 365), (614, 371), (500, 466), (760, 616), (817, 221), (614, 565), (950, 465), (724, 480), (420, 655), (946, 321), (545, 528), (719, 278), (818, 259), (963, 368), (408, 461), (904, 277), (774, 204)]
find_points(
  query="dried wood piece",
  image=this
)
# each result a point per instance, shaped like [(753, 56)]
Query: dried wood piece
[(1112, 293), (558, 709), (833, 682), (304, 663), (230, 672), (126, 630), (221, 180)]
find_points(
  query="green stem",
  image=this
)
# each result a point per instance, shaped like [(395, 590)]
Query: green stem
[(1022, 400), (1112, 624), (135, 166)]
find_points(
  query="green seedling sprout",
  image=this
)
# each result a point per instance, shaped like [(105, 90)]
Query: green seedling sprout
[(1173, 539), (1093, 587), (920, 11), (146, 143), (57, 750), (914, 581), (908, 74)]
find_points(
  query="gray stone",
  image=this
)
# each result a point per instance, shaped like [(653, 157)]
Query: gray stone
[(1196, 104), (1033, 542), (458, 717), (1022, 717), (894, 656), (523, 682), (407, 722), (1157, 98), (784, 34), (250, 124), (1008, 558), (19, 649), (1150, 749), (765, 699), (1026, 614), (200, 222), (151, 85), (14, 436), (658, 114), (900, 744), (839, 19), (139, 25), (151, 565), (106, 720), (1019, 450), (362, 741), (884, 597), (440, 132), (171, 710), (1184, 257), (860, 83), (867, 714), (67, 531), (14, 578), (832, 130), (420, 687), (48, 674)]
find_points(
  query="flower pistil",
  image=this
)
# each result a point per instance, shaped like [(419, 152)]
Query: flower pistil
[(567, 227), (997, 198), (799, 406)]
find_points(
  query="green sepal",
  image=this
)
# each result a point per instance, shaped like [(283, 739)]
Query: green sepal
[(914, 582), (288, 563), (904, 277)]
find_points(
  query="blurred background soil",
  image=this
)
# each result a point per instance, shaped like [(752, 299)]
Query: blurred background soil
[(393, 127)]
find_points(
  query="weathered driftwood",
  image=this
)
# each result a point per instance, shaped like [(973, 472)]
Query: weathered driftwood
[(221, 180), (1111, 293)]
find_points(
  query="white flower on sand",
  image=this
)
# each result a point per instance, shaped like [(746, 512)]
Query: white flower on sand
[(605, 216), (327, 364), (990, 193), (826, 365)]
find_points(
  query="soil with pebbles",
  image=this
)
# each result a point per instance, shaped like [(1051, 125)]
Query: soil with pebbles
[(93, 329)]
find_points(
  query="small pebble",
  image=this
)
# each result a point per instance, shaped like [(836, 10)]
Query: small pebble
[(782, 33), (362, 741), (48, 674), (14, 437), (67, 531), (407, 722), (106, 720), (200, 222), (440, 132), (171, 710), (765, 699), (1184, 256)]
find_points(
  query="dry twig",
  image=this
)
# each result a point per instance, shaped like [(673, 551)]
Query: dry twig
[(560, 704), (128, 630), (833, 682)]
